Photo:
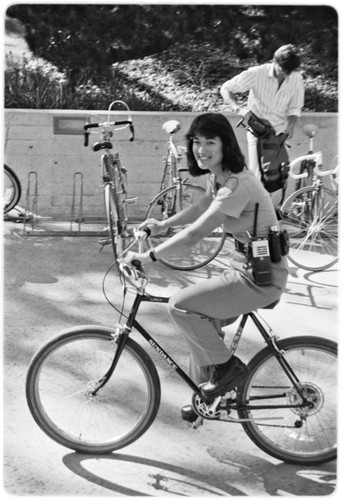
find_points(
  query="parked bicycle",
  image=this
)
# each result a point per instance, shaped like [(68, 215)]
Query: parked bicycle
[(95, 390), (114, 179), (310, 214), (12, 189), (176, 193)]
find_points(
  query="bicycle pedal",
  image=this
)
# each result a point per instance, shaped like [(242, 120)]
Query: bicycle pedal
[(131, 200)]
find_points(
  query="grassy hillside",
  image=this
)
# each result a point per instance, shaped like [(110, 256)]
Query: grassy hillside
[(188, 78), (183, 78)]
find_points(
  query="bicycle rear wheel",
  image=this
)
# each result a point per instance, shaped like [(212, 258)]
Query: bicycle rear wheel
[(310, 216), (166, 204), (12, 189), (59, 386), (296, 435)]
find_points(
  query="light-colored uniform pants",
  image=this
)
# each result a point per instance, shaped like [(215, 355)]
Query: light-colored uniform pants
[(201, 310)]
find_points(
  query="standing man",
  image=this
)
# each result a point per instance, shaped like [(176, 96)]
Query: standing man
[(276, 94)]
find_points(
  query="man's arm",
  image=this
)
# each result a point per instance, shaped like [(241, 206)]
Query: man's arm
[(238, 84), (291, 121), (229, 97)]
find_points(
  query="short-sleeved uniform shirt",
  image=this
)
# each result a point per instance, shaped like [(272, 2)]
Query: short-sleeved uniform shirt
[(237, 199)]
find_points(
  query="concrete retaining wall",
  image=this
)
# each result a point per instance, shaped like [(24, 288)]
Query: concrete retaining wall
[(50, 143)]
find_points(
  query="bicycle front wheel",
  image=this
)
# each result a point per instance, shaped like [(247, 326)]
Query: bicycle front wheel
[(12, 189), (310, 216), (60, 383), (166, 204), (299, 435)]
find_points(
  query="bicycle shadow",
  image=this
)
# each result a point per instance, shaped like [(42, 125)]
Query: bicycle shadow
[(140, 476), (282, 478)]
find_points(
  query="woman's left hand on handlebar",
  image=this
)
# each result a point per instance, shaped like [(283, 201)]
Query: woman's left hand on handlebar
[(153, 225)]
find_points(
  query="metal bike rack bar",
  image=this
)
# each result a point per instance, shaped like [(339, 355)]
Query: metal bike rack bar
[(33, 222), (31, 205)]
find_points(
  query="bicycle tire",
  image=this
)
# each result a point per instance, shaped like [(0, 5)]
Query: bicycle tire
[(280, 432), (164, 205), (115, 229), (12, 189), (58, 391), (313, 231)]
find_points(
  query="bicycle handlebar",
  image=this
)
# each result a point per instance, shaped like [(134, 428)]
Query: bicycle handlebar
[(241, 122), (317, 159), (135, 271), (88, 126)]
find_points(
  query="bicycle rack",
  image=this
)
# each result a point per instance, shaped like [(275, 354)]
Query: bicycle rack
[(32, 221)]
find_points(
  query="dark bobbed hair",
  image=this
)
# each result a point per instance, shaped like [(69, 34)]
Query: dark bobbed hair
[(287, 57), (212, 125)]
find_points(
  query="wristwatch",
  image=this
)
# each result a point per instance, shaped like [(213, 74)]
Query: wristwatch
[(152, 256)]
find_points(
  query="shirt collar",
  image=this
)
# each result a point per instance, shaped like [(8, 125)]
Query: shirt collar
[(271, 72)]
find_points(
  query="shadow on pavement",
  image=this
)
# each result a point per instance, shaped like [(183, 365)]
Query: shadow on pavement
[(140, 476)]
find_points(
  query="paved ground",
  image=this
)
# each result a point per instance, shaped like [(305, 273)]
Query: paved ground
[(52, 283)]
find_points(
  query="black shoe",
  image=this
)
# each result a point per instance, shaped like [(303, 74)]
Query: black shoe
[(189, 414), (224, 377)]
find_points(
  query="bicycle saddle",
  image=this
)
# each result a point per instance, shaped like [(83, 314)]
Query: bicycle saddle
[(310, 130), (102, 145), (171, 126)]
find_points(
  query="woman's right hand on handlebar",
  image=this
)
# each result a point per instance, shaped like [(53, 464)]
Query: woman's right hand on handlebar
[(155, 226)]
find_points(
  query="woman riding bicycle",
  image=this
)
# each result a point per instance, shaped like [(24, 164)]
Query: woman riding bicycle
[(233, 199)]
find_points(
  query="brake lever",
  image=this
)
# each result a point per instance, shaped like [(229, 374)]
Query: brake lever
[(135, 271), (137, 264)]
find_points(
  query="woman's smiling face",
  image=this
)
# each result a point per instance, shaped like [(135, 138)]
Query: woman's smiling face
[(208, 152)]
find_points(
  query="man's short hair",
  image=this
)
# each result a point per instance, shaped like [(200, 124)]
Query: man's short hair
[(287, 57)]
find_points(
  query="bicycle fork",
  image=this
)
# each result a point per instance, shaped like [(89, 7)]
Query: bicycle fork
[(120, 338)]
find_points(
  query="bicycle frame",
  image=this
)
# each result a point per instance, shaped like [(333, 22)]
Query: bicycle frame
[(123, 331)]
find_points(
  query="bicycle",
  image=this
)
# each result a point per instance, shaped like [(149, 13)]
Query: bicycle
[(114, 180), (96, 390), (310, 214), (175, 195), (12, 189)]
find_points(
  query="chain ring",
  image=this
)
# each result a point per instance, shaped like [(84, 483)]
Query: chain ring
[(206, 410)]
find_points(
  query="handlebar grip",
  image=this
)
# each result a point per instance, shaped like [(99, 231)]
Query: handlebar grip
[(90, 125), (131, 127), (86, 133)]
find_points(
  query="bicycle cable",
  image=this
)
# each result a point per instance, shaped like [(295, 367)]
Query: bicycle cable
[(123, 283), (120, 311)]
